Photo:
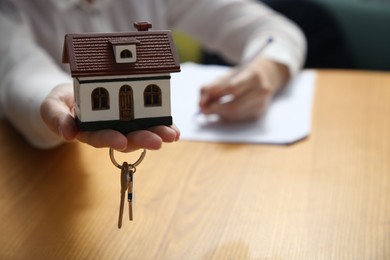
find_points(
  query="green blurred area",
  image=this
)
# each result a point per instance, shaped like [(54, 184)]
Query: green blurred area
[(187, 47), (366, 25)]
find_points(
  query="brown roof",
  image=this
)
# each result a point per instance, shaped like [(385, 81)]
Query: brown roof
[(92, 54)]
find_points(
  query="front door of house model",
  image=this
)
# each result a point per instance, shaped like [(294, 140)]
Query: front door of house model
[(126, 105)]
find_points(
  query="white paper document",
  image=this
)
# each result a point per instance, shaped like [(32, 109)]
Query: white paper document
[(287, 120)]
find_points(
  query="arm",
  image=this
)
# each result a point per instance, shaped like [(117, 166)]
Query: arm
[(237, 29), (37, 100), (27, 75)]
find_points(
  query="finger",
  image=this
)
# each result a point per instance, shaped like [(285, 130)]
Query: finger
[(143, 139), (177, 130), (167, 134), (151, 139), (208, 105), (209, 95), (221, 86), (244, 81), (249, 106), (67, 127), (238, 84), (57, 115), (104, 138)]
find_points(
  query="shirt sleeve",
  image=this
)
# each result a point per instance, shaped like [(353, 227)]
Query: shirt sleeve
[(237, 29), (27, 75)]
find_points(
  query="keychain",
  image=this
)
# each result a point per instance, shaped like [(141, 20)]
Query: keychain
[(126, 180)]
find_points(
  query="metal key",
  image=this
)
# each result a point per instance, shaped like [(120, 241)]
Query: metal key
[(130, 193), (124, 187), (127, 178)]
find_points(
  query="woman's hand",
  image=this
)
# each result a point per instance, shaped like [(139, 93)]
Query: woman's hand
[(244, 92), (57, 111)]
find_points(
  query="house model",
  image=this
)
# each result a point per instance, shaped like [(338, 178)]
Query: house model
[(122, 80)]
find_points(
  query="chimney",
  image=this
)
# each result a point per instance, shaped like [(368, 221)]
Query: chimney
[(142, 26)]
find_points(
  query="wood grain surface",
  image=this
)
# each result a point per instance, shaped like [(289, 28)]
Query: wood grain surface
[(325, 197)]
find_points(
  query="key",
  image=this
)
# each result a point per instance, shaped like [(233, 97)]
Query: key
[(130, 194), (124, 188), (127, 179)]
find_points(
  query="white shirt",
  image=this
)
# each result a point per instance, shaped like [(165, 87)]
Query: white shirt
[(32, 34)]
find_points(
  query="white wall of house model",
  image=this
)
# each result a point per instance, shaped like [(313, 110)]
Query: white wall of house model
[(84, 90)]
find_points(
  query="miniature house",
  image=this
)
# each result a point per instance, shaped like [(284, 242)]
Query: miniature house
[(122, 80)]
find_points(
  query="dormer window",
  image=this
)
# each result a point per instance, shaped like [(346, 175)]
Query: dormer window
[(125, 49), (126, 54)]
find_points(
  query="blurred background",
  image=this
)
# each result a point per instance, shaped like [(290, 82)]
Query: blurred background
[(343, 34)]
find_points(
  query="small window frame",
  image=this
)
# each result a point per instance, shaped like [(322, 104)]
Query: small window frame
[(100, 99), (152, 96)]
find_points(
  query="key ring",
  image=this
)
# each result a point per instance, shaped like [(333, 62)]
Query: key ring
[(133, 165)]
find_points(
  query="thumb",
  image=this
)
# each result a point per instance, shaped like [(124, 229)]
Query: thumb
[(57, 112)]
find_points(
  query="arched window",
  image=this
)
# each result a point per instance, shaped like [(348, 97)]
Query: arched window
[(126, 54), (152, 96), (100, 99)]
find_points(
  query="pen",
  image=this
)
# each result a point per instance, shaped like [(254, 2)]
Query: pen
[(265, 45)]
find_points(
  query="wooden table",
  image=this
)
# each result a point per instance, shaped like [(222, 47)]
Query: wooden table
[(326, 197)]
